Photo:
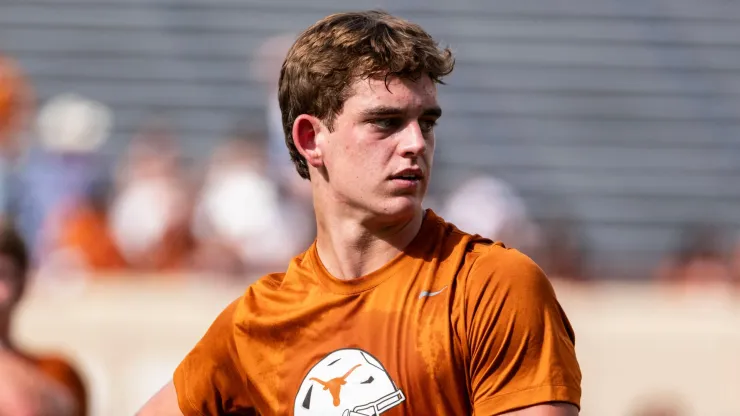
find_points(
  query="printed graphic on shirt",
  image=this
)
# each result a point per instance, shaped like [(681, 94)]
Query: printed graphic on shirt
[(347, 382)]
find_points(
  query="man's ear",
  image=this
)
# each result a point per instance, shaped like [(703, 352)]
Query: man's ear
[(306, 129)]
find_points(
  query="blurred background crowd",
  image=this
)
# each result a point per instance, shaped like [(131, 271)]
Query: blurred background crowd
[(141, 143)]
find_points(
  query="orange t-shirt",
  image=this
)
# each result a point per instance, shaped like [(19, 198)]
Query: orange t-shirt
[(454, 325)]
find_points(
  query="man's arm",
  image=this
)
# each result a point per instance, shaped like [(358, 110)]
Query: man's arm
[(551, 409), (164, 403)]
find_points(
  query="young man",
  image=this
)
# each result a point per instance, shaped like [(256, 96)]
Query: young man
[(392, 310), (30, 385)]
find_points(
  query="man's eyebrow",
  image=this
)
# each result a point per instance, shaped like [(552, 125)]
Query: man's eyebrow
[(386, 111), (382, 111), (433, 111)]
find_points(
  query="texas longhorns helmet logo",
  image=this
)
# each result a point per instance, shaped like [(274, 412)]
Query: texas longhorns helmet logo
[(347, 382)]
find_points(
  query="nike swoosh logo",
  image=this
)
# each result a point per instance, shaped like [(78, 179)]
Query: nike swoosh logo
[(425, 293)]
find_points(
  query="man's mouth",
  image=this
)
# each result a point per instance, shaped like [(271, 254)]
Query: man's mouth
[(413, 174), (407, 177)]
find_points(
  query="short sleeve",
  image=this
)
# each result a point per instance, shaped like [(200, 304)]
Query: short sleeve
[(210, 380), (520, 344)]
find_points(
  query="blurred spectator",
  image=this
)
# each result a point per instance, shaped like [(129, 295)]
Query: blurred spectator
[(241, 212), (699, 259), (16, 105), (492, 206), (84, 233), (152, 207), (16, 110), (59, 172), (29, 384)]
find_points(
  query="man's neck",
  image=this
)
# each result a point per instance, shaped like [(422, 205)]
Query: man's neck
[(351, 248)]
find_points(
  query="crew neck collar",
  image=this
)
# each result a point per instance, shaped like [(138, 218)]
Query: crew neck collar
[(413, 252)]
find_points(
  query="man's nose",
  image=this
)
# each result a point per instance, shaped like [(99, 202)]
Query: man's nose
[(413, 143)]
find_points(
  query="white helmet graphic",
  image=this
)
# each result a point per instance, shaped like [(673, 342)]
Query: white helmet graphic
[(347, 382)]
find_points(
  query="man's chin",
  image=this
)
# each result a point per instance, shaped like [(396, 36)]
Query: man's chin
[(405, 206)]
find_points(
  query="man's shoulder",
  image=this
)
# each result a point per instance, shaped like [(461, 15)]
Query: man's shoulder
[(56, 366), (276, 280), (492, 262), (273, 291), (264, 288), (478, 249), (475, 256), (269, 281), (43, 358), (488, 251)]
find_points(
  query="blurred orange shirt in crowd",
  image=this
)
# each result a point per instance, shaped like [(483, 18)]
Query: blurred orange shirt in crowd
[(452, 322), (15, 97), (63, 373), (86, 230)]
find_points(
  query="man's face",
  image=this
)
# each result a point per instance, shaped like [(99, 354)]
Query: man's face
[(379, 156)]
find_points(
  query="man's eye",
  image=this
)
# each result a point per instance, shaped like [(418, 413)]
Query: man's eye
[(387, 123), (427, 125)]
